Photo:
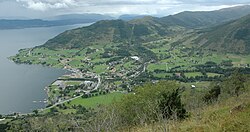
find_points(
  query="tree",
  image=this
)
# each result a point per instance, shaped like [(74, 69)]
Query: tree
[(3, 127), (213, 94), (53, 110), (234, 84), (85, 96), (151, 102), (81, 110), (35, 111), (171, 105), (227, 63)]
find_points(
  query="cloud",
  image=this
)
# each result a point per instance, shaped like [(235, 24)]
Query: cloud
[(214, 2), (128, 2), (161, 2), (43, 5), (117, 7)]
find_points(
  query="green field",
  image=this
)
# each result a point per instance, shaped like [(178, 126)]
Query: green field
[(213, 74), (152, 67), (193, 74), (199, 85), (98, 100), (99, 68)]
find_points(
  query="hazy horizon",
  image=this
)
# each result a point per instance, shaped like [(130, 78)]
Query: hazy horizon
[(33, 9)]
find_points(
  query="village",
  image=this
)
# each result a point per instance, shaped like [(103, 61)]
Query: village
[(105, 69), (82, 83)]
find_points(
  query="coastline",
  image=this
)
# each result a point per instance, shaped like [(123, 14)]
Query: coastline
[(68, 71)]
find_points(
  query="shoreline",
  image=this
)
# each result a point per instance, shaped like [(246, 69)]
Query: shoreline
[(46, 89), (68, 71)]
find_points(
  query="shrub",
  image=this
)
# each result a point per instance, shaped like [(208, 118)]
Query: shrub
[(212, 94), (234, 85), (151, 102), (171, 105)]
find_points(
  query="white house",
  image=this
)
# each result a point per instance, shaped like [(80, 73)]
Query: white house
[(135, 58)]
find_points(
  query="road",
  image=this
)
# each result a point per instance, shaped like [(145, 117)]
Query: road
[(143, 70), (29, 54)]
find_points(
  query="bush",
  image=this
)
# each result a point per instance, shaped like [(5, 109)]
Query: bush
[(151, 102), (234, 85), (170, 105), (212, 94), (3, 127)]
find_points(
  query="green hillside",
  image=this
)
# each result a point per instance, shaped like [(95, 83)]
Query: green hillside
[(233, 37), (112, 31), (142, 30), (100, 32), (206, 18)]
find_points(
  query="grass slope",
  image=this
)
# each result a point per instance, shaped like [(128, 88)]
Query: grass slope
[(222, 116)]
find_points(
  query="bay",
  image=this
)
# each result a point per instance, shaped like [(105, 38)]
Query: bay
[(22, 86)]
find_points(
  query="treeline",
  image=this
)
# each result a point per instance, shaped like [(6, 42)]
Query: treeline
[(209, 67), (234, 85)]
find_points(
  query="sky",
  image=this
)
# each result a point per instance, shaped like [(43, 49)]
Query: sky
[(48, 8)]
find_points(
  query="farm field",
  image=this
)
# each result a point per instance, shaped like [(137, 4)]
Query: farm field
[(93, 102)]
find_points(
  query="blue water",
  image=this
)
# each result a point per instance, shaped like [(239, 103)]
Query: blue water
[(21, 85)]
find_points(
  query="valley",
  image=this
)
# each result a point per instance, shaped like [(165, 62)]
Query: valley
[(121, 67), (157, 72)]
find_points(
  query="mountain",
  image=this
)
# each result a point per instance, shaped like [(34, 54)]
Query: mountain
[(199, 19), (232, 37), (61, 20), (69, 19), (128, 17), (144, 29), (16, 24), (112, 31), (100, 32), (95, 17)]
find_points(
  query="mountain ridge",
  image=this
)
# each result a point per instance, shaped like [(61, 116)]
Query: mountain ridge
[(143, 30), (200, 19), (61, 20), (111, 31), (232, 37)]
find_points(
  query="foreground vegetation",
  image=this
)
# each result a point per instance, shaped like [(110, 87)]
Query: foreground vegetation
[(228, 115), (162, 106)]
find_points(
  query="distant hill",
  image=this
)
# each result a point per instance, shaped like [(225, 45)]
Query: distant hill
[(69, 19), (100, 32), (232, 37), (112, 31), (61, 20), (144, 29), (86, 16), (16, 24), (206, 18), (128, 17)]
